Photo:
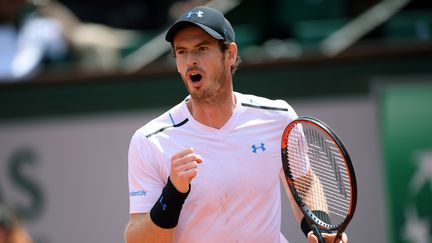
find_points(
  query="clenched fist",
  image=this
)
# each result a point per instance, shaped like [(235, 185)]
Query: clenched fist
[(184, 167)]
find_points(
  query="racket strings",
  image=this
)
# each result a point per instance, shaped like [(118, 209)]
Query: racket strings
[(298, 160), (332, 204), (319, 171), (328, 182)]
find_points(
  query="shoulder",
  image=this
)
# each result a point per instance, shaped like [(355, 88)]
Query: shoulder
[(262, 107), (172, 118), (262, 103)]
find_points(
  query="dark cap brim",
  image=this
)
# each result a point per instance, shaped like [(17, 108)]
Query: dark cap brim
[(181, 24)]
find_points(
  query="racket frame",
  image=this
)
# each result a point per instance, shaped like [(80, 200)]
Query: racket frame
[(316, 223)]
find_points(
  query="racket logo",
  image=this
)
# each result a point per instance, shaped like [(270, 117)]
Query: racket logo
[(326, 148), (255, 148)]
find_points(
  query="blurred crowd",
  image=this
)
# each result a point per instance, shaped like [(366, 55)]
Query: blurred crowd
[(26, 38), (99, 34), (91, 33)]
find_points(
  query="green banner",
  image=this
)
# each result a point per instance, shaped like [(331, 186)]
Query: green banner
[(406, 126)]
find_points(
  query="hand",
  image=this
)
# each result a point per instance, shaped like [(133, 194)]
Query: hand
[(328, 238), (184, 167)]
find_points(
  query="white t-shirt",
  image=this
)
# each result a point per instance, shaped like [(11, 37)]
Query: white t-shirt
[(235, 196)]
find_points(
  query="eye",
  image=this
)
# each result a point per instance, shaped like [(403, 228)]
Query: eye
[(180, 52), (202, 48)]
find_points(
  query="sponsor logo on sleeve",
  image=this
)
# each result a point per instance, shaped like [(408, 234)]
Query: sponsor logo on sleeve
[(138, 193)]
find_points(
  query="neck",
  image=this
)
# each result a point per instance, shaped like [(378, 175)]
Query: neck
[(213, 113)]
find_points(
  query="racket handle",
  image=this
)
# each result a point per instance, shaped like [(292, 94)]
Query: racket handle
[(317, 233), (338, 237)]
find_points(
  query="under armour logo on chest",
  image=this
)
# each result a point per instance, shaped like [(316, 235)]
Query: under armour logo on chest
[(255, 148), (198, 14)]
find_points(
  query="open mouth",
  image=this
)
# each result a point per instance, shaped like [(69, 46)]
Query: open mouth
[(196, 77)]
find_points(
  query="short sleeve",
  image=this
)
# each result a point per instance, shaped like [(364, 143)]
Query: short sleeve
[(145, 173)]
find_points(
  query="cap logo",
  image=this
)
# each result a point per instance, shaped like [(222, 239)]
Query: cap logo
[(198, 14)]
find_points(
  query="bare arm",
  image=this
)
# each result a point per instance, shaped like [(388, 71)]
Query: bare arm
[(312, 191), (315, 202), (312, 194), (141, 228)]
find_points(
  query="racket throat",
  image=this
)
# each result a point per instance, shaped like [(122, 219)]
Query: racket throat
[(317, 233)]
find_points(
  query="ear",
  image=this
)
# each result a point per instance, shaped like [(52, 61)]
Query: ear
[(232, 53)]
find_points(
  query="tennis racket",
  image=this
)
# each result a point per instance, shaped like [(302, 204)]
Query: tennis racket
[(320, 175)]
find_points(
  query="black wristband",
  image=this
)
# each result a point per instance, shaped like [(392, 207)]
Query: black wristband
[(166, 211), (306, 228)]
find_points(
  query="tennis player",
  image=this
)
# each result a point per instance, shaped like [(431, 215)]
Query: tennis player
[(208, 169)]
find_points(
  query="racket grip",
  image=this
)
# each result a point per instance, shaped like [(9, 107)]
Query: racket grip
[(317, 233), (338, 237)]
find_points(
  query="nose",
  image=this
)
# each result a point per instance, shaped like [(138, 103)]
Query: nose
[(192, 60)]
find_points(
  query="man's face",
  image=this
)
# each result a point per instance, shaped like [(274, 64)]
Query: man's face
[(201, 63)]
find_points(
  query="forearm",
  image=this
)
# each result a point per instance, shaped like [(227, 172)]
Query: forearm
[(159, 224), (311, 191), (141, 229), (310, 185), (315, 197)]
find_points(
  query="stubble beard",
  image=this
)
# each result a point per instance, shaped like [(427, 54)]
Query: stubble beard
[(214, 93)]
